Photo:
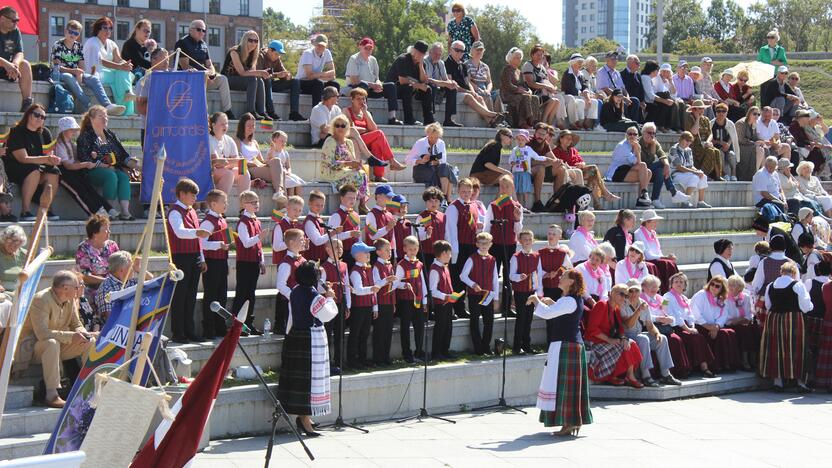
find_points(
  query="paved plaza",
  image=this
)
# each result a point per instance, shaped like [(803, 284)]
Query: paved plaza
[(741, 430)]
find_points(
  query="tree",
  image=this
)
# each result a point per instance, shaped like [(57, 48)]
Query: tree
[(502, 28), (697, 46), (598, 45), (723, 19), (803, 24), (682, 18), (279, 26)]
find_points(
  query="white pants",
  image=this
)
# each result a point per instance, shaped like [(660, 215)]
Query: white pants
[(576, 108), (825, 201), (690, 180)]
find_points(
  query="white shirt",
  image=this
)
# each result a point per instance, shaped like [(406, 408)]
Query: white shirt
[(489, 216), (434, 282), (314, 235), (581, 246), (591, 285), (520, 159), (95, 51), (567, 264), (819, 279), (403, 285), (179, 229), (746, 304), (247, 239), (283, 272), (205, 244), (493, 289), (451, 218), (759, 275), (537, 284), (358, 286), (766, 131), (705, 313), (657, 308), (365, 70), (679, 313), (224, 147), (652, 250), (753, 261), (622, 274), (278, 244), (379, 281), (335, 221), (803, 299), (811, 260), (718, 269), (309, 57), (564, 305), (381, 231), (346, 288), (422, 147), (321, 115)]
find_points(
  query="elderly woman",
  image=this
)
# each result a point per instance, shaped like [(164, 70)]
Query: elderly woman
[(665, 264), (339, 164), (103, 59), (582, 241), (633, 266), (536, 74), (726, 141), (750, 144), (597, 275), (709, 311), (658, 162), (806, 148), (121, 270), (705, 156), (626, 166), (613, 354), (486, 167), (479, 75), (795, 200), (225, 157), (663, 322), (92, 254), (811, 188), (772, 52), (612, 114), (565, 149), (462, 28), (12, 259), (581, 105), (240, 67), (685, 173), (677, 307), (660, 106), (27, 164), (739, 308), (523, 105), (782, 350), (371, 135), (429, 160), (727, 94), (563, 399)]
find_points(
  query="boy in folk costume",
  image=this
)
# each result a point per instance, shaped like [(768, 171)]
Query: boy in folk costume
[(665, 264), (431, 223), (480, 276), (461, 227), (184, 234), (283, 222), (250, 263), (380, 221), (385, 279), (504, 219), (215, 250), (554, 260), (522, 271), (403, 227), (411, 299), (312, 227), (335, 272), (443, 296), (346, 218), (364, 306), (292, 259)]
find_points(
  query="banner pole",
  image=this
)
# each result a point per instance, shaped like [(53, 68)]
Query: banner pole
[(149, 227)]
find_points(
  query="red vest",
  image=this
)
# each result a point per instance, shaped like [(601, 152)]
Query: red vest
[(334, 276), (482, 273), (348, 225), (190, 221), (400, 231), (415, 283), (525, 264), (254, 253), (551, 260), (504, 234), (385, 295), (437, 221), (366, 300), (316, 253), (444, 285), (284, 225), (218, 234), (465, 232), (294, 263), (381, 218)]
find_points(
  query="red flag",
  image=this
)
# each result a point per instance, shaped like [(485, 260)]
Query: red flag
[(174, 444), (29, 14)]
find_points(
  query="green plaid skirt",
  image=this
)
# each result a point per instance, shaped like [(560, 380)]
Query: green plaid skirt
[(572, 406)]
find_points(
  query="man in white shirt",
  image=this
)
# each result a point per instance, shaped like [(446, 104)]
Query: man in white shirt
[(322, 114), (362, 72), (768, 130), (316, 69), (765, 186)]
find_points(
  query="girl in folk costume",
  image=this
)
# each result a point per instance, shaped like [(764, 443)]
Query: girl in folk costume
[(522, 269), (813, 320), (665, 264), (740, 308), (597, 277), (563, 398), (823, 369), (664, 324), (632, 266), (811, 256), (304, 373), (431, 223), (554, 260), (721, 264), (583, 239), (710, 313), (782, 350), (678, 307), (503, 219), (520, 162), (613, 354), (621, 235)]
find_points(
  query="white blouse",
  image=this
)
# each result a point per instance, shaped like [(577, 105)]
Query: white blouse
[(657, 307), (224, 147), (740, 308), (706, 313), (623, 271), (600, 287), (803, 299), (652, 248), (679, 313), (581, 245)]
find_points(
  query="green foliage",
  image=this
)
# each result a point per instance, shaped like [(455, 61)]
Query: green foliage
[(697, 46), (598, 45), (276, 25), (502, 28), (682, 19), (723, 19)]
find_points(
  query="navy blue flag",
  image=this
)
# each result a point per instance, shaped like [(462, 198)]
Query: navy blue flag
[(177, 118)]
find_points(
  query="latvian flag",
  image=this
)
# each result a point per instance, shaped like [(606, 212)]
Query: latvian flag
[(174, 444)]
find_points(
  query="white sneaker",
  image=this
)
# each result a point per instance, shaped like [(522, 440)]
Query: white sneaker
[(733, 178), (115, 109), (102, 212), (113, 213), (657, 204), (702, 204), (681, 197), (129, 96)]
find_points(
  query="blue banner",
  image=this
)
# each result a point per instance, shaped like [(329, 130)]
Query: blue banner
[(109, 350), (177, 118)]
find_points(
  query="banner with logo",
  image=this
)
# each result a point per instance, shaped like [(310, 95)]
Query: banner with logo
[(177, 118), (109, 353)]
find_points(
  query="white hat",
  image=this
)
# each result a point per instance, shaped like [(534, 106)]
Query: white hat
[(638, 246), (728, 72), (782, 69), (804, 212), (633, 283), (695, 69), (666, 66), (649, 215), (67, 123)]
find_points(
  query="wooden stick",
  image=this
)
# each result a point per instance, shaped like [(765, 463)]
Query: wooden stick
[(147, 340), (34, 239)]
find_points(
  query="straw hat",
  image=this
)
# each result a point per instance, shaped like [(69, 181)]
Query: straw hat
[(696, 104), (575, 137)]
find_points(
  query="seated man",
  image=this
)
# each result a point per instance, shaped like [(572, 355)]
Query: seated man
[(60, 336), (458, 72), (281, 82), (777, 92), (765, 187), (13, 67), (120, 269), (196, 48), (316, 70), (442, 85), (362, 72), (408, 72)]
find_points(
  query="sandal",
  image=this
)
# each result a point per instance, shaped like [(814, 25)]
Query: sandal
[(708, 374), (634, 383)]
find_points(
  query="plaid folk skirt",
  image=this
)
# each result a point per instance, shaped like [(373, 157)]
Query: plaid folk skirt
[(782, 349), (823, 369), (294, 387), (572, 394)]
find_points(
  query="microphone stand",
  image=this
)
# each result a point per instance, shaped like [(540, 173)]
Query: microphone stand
[(423, 412), (505, 305), (339, 420)]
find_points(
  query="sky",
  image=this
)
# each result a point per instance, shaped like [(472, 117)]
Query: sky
[(545, 16)]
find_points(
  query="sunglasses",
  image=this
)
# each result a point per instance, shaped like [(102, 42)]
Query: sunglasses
[(459, 50), (340, 125), (721, 111), (200, 30), (13, 20), (755, 113), (716, 286), (632, 134), (146, 31), (253, 40), (742, 79), (456, 10), (649, 132), (39, 115)]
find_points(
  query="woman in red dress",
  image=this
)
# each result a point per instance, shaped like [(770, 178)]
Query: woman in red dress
[(613, 354), (373, 137)]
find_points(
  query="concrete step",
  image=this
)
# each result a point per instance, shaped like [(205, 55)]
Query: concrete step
[(28, 420), (735, 382), (18, 396), (25, 445)]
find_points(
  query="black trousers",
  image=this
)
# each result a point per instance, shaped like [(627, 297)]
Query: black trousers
[(450, 101), (523, 325), (408, 314), (554, 294), (360, 320), (502, 262), (247, 275), (406, 93), (383, 333), (334, 333), (284, 86), (316, 88), (465, 251), (442, 330), (388, 92), (481, 341), (76, 185), (183, 302), (281, 314), (215, 288)]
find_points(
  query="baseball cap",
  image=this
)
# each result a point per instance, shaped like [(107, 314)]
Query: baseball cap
[(401, 199), (367, 41), (707, 60), (360, 247), (783, 69), (320, 39), (277, 46), (385, 189), (477, 45), (682, 63)]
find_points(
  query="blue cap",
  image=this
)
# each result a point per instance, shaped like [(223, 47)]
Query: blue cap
[(360, 247), (277, 46), (400, 199), (385, 190)]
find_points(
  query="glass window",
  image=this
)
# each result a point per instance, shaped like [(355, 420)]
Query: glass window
[(244, 8), (88, 22), (184, 5), (184, 30), (92, 2), (155, 4), (124, 3), (214, 37), (57, 24), (122, 30), (214, 7), (156, 31)]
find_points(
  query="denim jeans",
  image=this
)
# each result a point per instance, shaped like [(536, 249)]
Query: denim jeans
[(658, 178), (91, 82)]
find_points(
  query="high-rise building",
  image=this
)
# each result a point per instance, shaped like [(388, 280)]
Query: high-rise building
[(623, 21)]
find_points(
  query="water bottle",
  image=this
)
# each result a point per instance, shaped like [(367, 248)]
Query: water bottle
[(267, 327)]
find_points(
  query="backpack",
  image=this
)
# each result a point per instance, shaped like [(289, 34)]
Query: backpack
[(41, 72), (60, 101), (570, 198), (772, 213)]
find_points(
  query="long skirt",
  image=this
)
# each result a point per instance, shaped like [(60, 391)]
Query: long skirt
[(823, 369), (708, 160), (725, 348), (681, 363), (696, 347), (782, 349), (294, 388), (572, 389), (609, 361), (665, 268), (814, 329), (748, 337)]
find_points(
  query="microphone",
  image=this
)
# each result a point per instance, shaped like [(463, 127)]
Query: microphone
[(499, 221), (327, 227), (222, 312)]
